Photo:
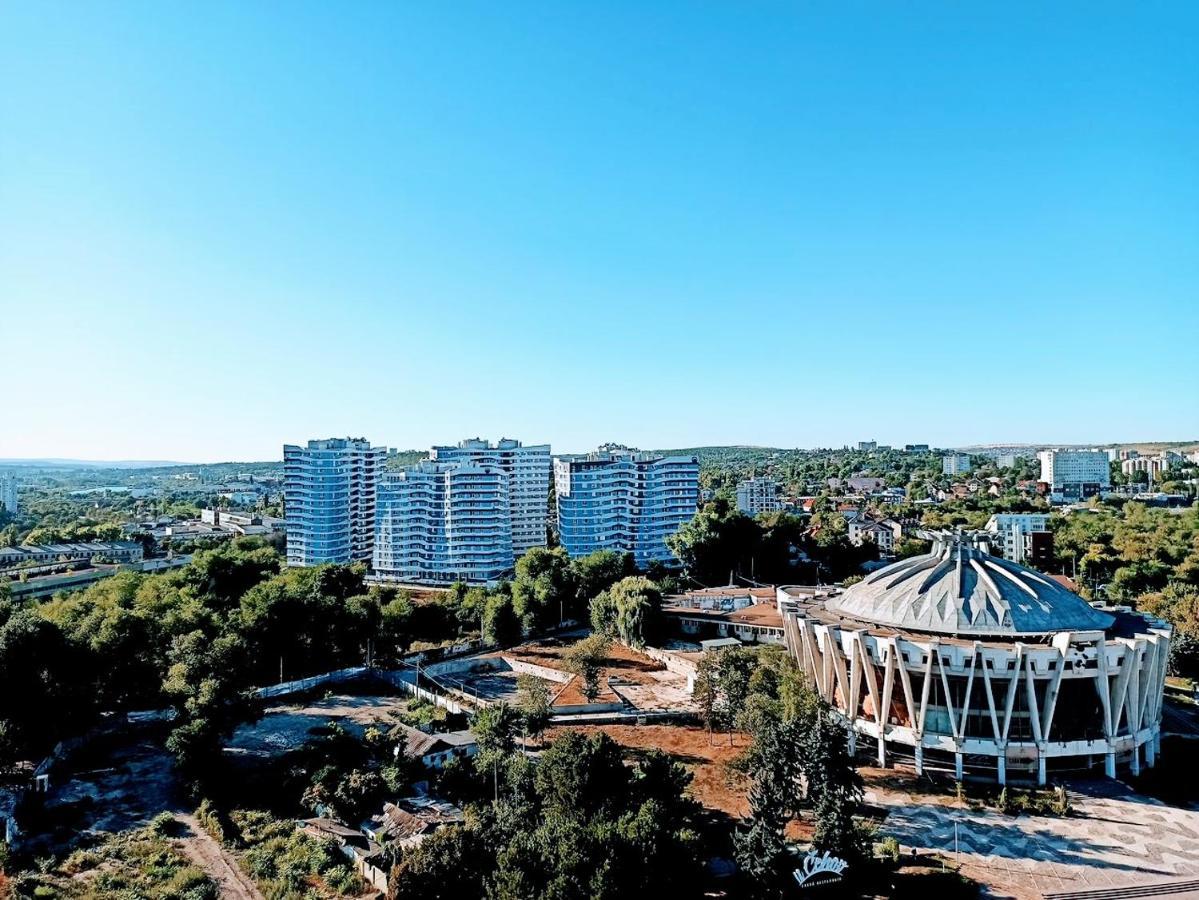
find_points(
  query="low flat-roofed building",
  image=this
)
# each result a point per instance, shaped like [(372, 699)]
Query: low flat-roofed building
[(748, 614), (32, 554)]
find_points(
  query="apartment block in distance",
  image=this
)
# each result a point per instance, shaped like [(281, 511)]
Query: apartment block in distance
[(624, 500), (955, 464), (440, 522), (8, 494), (1075, 474), (528, 469), (758, 495), (329, 500), (1023, 537)]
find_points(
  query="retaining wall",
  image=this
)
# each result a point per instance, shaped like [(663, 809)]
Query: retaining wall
[(545, 672)]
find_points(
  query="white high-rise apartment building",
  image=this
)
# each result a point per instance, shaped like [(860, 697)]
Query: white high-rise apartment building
[(758, 495), (8, 494), (329, 500), (1075, 474), (955, 464), (1012, 531), (624, 500), (528, 470), (440, 522)]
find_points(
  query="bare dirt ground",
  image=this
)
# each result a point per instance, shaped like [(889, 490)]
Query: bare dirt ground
[(643, 683), (287, 726), (214, 860), (111, 786), (713, 785), (717, 788)]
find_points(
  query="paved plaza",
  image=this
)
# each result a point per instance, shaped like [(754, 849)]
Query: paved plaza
[(657, 692), (1113, 838)]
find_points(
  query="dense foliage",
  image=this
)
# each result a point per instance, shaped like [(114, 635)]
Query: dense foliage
[(723, 546), (576, 823), (197, 638)]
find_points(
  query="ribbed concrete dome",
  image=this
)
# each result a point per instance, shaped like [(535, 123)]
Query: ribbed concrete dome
[(960, 589)]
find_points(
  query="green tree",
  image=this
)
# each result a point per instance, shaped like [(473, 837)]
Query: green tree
[(586, 659), (759, 845), (834, 787), (630, 610), (495, 727), (447, 865), (535, 703), (543, 585), (706, 689), (501, 626), (775, 796), (717, 544), (736, 668), (596, 572), (205, 682)]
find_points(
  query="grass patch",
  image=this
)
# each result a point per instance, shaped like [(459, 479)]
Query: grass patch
[(286, 863), (142, 864)]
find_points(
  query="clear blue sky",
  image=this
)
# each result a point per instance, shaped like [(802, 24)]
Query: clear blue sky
[(226, 226)]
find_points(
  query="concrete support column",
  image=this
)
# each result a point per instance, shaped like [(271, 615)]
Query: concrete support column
[(1041, 770), (1109, 764), (853, 741), (882, 752), (1136, 761), (1001, 767), (919, 760), (957, 765), (1150, 753)]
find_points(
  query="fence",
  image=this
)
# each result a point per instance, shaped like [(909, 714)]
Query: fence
[(406, 681), (300, 685)]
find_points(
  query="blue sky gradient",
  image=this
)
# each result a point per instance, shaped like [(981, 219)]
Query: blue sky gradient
[(224, 226)]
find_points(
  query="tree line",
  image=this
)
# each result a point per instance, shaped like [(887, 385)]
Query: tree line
[(197, 638)]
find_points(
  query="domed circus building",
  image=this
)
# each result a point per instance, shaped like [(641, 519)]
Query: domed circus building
[(960, 658)]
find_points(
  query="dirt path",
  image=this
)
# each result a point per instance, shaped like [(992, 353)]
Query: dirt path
[(198, 845)]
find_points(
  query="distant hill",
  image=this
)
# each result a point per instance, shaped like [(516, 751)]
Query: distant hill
[(1142, 446), (51, 462)]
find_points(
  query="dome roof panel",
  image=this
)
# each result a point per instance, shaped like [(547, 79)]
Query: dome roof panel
[(960, 589)]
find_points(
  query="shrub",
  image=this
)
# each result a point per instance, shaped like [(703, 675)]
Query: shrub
[(164, 825), (888, 848)]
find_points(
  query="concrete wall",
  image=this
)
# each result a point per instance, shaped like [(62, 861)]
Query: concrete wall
[(406, 682), (525, 668), (300, 685), (674, 663)]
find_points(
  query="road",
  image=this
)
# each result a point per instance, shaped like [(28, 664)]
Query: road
[(216, 862)]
